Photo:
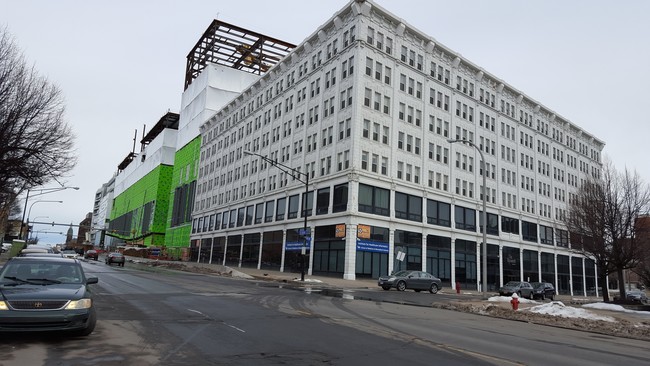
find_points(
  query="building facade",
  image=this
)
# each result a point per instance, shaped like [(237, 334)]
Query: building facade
[(100, 216), (366, 106)]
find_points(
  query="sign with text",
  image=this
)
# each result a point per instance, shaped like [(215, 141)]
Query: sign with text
[(296, 245), (340, 231), (363, 231), (371, 246)]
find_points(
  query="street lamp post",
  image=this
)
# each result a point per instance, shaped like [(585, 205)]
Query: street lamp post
[(484, 217), (41, 191), (292, 171), (35, 218), (29, 214)]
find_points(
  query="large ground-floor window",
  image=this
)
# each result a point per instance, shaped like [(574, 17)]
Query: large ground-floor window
[(233, 250), (251, 250), (563, 279), (439, 258), (408, 251), (271, 250), (466, 264), (511, 263)]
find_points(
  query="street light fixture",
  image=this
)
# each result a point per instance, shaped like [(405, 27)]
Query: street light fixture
[(35, 218), (484, 216), (30, 210), (41, 191), (292, 171)]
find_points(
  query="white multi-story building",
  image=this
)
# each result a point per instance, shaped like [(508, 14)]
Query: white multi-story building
[(101, 213), (366, 106)]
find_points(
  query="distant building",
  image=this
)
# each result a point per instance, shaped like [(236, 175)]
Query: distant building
[(101, 215), (83, 234)]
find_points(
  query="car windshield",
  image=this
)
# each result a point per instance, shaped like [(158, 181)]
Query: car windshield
[(41, 273)]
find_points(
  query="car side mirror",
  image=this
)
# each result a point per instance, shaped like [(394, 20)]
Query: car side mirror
[(91, 280)]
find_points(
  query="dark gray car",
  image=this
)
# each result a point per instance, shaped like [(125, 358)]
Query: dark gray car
[(522, 289), (543, 290), (414, 280)]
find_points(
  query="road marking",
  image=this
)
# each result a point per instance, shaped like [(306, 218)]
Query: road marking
[(234, 327), (198, 312)]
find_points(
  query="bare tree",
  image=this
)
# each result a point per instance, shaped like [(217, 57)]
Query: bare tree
[(36, 144), (602, 221)]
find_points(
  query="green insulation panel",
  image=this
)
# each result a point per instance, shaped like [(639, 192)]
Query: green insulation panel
[(179, 223), (139, 214)]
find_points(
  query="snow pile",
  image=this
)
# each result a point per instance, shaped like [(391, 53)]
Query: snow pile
[(557, 308), (508, 298), (613, 307)]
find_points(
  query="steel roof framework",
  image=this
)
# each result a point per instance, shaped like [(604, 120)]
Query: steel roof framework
[(235, 47)]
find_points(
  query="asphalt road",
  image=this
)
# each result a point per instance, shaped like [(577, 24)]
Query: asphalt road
[(172, 318)]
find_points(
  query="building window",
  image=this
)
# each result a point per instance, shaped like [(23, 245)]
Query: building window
[(294, 202), (492, 223), (509, 225), (322, 201), (545, 235), (465, 218), (529, 231), (438, 213), (374, 200), (408, 207), (340, 199), (280, 209)]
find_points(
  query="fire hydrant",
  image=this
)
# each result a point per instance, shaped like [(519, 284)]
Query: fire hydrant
[(457, 287), (515, 302)]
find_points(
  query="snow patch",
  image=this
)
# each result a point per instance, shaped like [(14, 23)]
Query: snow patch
[(557, 308)]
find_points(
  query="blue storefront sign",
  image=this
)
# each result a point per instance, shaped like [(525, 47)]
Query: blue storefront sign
[(364, 245), (297, 245)]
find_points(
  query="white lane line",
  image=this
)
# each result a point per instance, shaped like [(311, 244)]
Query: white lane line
[(231, 326), (234, 327), (196, 311)]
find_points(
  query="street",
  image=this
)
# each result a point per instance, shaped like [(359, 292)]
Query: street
[(161, 317)]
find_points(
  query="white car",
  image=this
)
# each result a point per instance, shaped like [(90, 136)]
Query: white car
[(70, 254), (6, 247)]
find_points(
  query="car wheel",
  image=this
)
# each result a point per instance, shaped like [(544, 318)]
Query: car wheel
[(543, 297), (401, 286), (519, 293), (386, 287), (433, 289), (552, 297), (531, 296)]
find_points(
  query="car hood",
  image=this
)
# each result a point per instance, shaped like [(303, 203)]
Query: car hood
[(49, 292)]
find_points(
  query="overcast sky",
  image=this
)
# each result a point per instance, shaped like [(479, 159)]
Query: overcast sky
[(121, 65)]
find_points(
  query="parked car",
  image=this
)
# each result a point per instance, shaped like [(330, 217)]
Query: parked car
[(46, 294), (37, 248), (91, 254), (115, 257), (26, 251), (636, 296), (69, 253), (522, 289), (543, 290), (6, 247), (414, 280), (40, 254)]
